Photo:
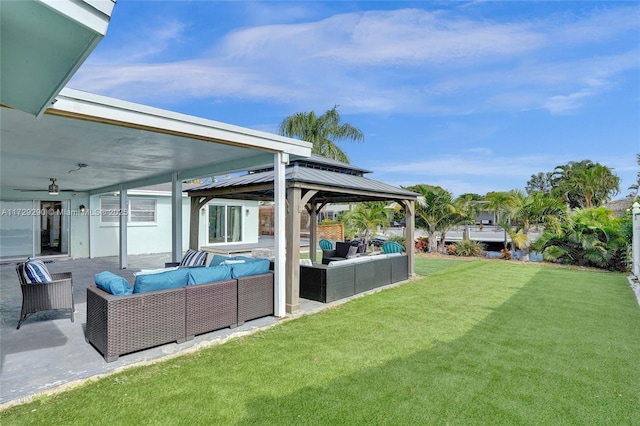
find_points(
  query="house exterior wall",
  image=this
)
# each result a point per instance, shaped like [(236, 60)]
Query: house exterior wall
[(250, 221), (142, 238)]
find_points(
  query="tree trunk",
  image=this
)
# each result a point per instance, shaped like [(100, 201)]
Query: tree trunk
[(433, 242)]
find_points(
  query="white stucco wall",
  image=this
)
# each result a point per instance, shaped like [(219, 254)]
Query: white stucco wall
[(142, 238)]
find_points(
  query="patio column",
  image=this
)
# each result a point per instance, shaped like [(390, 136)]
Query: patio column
[(194, 223), (123, 216), (313, 232), (280, 160), (176, 218), (293, 250)]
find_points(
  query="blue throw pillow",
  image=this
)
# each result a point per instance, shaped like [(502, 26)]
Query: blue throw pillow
[(209, 275), (113, 284), (161, 281), (252, 266), (35, 272), (194, 258)]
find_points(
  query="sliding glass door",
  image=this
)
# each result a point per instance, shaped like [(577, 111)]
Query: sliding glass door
[(225, 224)]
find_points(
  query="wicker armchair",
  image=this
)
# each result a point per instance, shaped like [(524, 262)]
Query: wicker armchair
[(56, 294)]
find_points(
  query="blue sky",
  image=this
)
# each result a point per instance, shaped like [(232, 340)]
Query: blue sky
[(472, 96)]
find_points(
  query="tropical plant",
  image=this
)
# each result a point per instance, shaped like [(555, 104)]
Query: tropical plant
[(590, 237), (422, 244), (499, 203), (435, 212), (468, 206), (323, 132), (469, 248), (367, 217), (527, 211), (585, 184)]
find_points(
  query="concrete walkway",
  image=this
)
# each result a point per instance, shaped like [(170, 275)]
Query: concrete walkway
[(49, 351)]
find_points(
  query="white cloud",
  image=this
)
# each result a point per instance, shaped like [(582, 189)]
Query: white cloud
[(406, 61)]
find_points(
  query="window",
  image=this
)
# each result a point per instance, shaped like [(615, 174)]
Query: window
[(140, 210), (225, 224)]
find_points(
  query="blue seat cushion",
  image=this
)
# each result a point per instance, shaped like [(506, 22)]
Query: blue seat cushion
[(251, 266), (113, 284), (209, 274), (218, 259), (161, 281)]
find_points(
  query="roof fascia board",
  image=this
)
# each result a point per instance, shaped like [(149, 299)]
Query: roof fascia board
[(351, 191), (83, 105), (91, 14)]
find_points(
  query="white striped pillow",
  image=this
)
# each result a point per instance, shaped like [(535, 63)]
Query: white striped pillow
[(35, 272), (194, 258)]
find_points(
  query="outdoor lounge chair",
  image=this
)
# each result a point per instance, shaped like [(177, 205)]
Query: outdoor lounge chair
[(326, 244), (55, 294), (392, 247)]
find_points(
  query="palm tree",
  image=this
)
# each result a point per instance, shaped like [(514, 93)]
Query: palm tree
[(435, 212), (499, 202), (468, 206), (367, 217), (584, 183), (528, 211), (322, 132)]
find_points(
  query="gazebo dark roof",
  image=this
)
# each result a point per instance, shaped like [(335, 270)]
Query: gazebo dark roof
[(335, 181)]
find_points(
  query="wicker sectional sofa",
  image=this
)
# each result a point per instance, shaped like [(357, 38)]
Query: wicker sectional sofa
[(344, 278), (121, 324)]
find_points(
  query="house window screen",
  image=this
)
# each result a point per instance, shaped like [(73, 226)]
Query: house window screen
[(142, 210)]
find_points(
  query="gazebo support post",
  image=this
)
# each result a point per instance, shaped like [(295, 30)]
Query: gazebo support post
[(313, 232), (293, 250), (194, 220), (409, 209)]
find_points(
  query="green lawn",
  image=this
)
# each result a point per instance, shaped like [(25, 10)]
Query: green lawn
[(473, 343)]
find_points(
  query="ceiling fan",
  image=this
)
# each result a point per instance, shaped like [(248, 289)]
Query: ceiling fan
[(53, 188)]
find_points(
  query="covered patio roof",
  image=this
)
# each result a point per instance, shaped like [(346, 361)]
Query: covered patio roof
[(310, 184)]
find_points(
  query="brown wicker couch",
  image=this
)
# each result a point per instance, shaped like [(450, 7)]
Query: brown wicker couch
[(117, 325)]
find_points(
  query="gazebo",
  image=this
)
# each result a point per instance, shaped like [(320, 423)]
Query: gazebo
[(310, 184)]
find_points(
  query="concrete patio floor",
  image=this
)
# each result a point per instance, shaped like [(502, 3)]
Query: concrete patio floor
[(49, 351)]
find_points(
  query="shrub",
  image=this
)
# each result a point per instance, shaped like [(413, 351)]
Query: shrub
[(506, 254), (451, 249), (422, 244), (469, 248)]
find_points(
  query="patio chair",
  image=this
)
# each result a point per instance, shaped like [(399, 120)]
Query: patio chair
[(392, 247), (326, 244), (44, 296)]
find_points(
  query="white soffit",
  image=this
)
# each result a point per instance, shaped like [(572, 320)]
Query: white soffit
[(124, 144), (42, 44)]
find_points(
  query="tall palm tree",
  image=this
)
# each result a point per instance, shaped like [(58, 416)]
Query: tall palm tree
[(532, 210), (322, 132)]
